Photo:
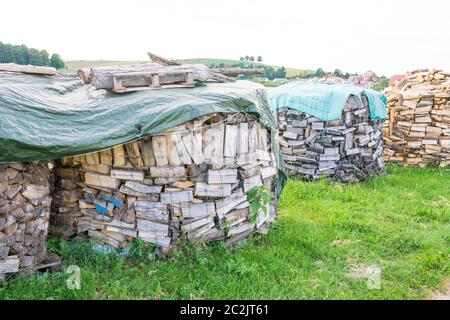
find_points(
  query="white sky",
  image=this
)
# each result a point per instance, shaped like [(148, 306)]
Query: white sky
[(386, 36)]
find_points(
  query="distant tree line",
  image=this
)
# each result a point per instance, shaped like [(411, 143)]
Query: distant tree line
[(21, 54), (269, 72), (251, 58), (337, 73)]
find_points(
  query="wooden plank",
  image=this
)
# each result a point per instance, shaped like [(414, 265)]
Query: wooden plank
[(142, 188), (156, 239), (159, 229), (197, 210), (198, 138), (160, 150), (119, 156), (127, 175), (92, 158), (106, 157), (189, 226), (222, 176), (167, 172), (103, 181), (35, 192), (173, 155), (263, 139), (9, 265), (253, 139), (99, 168), (176, 197), (226, 205), (213, 140), (182, 152), (242, 139), (212, 190), (29, 69), (230, 148), (151, 210), (147, 154), (193, 147), (134, 154)]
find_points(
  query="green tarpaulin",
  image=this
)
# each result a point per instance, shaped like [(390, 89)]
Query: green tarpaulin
[(324, 101), (50, 118)]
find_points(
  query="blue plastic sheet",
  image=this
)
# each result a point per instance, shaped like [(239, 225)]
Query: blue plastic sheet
[(324, 101)]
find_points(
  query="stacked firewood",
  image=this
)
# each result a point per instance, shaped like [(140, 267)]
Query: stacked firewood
[(418, 130), (68, 184), (187, 184), (348, 150), (24, 215)]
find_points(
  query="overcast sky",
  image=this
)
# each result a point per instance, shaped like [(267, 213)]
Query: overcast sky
[(387, 37)]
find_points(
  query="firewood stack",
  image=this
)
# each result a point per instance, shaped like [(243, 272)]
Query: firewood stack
[(347, 150), (188, 184), (68, 184), (418, 130), (24, 215)]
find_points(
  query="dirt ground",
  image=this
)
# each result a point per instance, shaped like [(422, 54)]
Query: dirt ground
[(443, 294)]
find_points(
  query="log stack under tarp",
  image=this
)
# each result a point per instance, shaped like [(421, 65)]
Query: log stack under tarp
[(347, 150), (162, 73), (187, 184), (24, 216), (418, 130)]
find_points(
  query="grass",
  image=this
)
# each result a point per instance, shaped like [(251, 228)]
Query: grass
[(74, 65), (399, 223)]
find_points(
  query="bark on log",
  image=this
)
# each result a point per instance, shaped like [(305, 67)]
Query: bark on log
[(29, 69), (162, 61), (102, 78)]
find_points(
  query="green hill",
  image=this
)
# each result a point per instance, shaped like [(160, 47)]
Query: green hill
[(290, 72), (74, 65)]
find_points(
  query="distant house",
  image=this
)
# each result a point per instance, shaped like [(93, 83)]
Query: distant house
[(395, 79), (330, 78), (367, 80)]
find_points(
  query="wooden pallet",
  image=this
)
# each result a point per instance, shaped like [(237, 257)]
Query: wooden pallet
[(138, 81), (51, 264)]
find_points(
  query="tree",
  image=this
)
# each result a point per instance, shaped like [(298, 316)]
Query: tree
[(45, 57), (320, 73), (380, 86), (241, 58), (35, 57), (338, 73), (21, 54), (57, 62), (260, 59), (247, 58), (252, 58)]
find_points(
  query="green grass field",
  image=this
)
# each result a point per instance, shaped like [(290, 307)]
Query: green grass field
[(321, 245), (74, 65)]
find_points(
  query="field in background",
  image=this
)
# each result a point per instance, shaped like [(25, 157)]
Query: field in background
[(74, 65), (327, 240)]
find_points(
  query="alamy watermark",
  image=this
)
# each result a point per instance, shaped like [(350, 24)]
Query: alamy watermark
[(74, 279)]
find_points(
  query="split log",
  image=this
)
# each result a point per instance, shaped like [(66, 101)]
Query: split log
[(29, 69)]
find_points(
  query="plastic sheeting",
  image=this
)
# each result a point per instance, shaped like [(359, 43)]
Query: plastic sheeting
[(324, 101), (45, 118)]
